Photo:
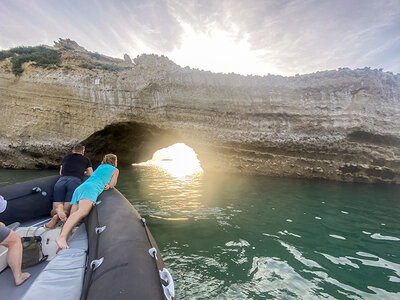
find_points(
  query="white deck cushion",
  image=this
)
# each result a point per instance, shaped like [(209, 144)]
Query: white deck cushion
[(63, 276)]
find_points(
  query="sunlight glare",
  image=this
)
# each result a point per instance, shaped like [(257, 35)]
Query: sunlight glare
[(178, 160), (220, 50)]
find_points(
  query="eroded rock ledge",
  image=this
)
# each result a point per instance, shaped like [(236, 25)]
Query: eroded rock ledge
[(339, 125)]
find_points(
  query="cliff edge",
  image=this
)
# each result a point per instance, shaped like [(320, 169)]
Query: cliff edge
[(339, 125)]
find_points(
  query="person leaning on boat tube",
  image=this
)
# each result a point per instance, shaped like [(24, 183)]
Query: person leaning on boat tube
[(73, 167), (104, 178), (10, 239)]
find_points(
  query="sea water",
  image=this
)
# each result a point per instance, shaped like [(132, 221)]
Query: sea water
[(252, 237)]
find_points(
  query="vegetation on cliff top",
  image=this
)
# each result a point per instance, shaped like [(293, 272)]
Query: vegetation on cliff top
[(45, 57), (68, 54), (97, 65), (40, 55)]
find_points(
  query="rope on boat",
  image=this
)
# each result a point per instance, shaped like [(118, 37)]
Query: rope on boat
[(34, 190)]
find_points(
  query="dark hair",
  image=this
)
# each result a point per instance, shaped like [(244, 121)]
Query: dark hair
[(79, 148), (110, 159)]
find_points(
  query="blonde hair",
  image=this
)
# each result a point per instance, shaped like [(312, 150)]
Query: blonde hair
[(110, 159)]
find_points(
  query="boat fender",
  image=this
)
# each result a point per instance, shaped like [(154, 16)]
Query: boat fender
[(96, 263), (99, 230), (153, 253), (169, 289)]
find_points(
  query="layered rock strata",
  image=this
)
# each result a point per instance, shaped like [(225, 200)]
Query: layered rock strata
[(339, 125)]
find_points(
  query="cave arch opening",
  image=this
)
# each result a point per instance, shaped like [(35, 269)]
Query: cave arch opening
[(132, 142), (178, 160)]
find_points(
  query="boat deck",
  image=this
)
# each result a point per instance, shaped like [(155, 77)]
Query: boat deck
[(7, 286)]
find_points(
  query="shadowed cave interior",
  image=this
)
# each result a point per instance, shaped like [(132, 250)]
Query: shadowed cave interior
[(132, 142)]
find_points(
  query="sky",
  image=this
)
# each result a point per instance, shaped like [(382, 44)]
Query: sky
[(284, 37)]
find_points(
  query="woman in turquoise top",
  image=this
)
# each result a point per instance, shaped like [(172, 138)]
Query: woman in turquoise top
[(85, 196)]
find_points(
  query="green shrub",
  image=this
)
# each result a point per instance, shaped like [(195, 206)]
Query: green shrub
[(5, 54), (87, 66), (17, 62), (107, 67), (69, 48), (40, 55), (95, 55)]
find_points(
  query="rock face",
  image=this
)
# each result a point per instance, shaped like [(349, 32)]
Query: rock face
[(339, 125), (127, 58)]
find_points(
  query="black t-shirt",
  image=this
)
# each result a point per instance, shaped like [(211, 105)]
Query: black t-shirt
[(75, 164)]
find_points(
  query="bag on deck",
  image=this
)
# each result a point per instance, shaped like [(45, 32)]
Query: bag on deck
[(32, 253)]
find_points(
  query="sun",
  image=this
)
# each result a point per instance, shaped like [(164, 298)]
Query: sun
[(178, 160)]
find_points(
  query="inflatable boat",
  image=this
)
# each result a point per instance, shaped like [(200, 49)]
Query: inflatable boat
[(112, 253)]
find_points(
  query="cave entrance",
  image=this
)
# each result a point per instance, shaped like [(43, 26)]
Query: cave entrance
[(132, 142), (178, 160)]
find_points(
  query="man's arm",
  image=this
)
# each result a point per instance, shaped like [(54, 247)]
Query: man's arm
[(60, 170), (89, 171)]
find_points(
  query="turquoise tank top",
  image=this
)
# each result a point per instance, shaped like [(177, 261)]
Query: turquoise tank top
[(102, 175), (93, 187)]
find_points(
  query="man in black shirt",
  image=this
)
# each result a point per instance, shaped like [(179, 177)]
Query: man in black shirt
[(73, 167)]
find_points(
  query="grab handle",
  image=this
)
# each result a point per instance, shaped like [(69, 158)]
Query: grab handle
[(169, 289)]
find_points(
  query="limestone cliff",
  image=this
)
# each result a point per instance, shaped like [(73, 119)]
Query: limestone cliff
[(338, 125)]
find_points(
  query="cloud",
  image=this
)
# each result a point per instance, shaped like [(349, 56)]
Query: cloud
[(285, 36), (308, 35), (98, 25)]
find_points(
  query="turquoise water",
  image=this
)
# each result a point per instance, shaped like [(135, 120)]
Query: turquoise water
[(242, 237)]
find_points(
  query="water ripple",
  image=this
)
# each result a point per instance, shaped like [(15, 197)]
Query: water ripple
[(340, 260), (298, 255), (335, 236), (375, 261), (238, 237), (378, 236)]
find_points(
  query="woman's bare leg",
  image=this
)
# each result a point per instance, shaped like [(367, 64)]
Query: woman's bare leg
[(84, 207), (14, 257), (74, 208)]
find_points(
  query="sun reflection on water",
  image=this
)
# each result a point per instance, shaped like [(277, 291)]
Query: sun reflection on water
[(176, 175)]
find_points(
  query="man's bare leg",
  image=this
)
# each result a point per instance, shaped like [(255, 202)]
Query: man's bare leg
[(84, 207), (62, 214), (14, 257), (52, 223), (54, 213), (54, 209), (63, 211)]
